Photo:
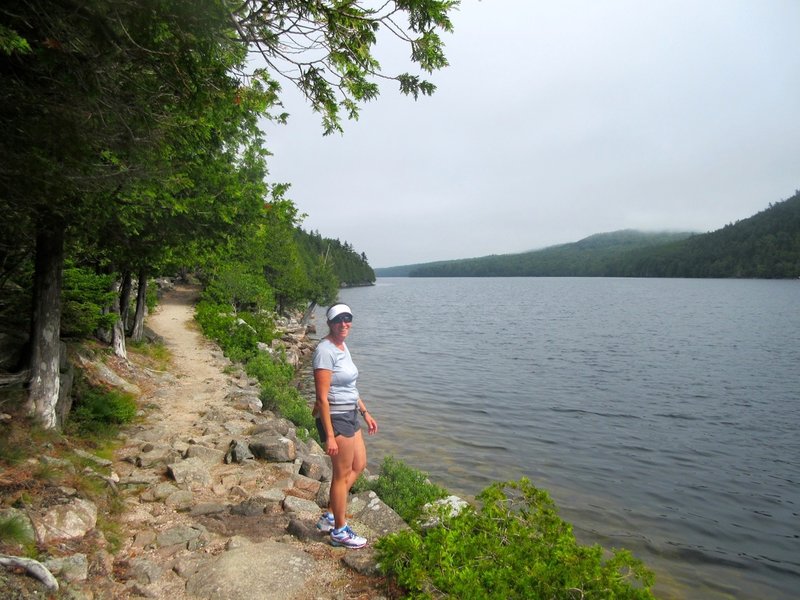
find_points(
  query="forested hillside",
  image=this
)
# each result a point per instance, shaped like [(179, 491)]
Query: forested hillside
[(593, 256), (766, 245), (348, 267), (132, 147)]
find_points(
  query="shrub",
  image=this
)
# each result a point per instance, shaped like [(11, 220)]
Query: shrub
[(150, 296), (236, 286), (237, 334), (99, 412), (278, 394), (514, 546), (404, 488), (270, 372)]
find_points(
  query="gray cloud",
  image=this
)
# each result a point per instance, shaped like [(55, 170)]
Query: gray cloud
[(559, 120)]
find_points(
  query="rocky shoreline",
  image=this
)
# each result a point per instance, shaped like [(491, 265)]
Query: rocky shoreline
[(219, 499)]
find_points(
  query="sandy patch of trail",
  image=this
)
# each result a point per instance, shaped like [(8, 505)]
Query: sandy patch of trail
[(196, 364)]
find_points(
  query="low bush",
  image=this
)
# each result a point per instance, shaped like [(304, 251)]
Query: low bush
[(238, 334), (98, 412), (513, 546), (279, 395), (405, 489), (237, 286)]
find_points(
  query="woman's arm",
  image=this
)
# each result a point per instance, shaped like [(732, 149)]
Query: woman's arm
[(372, 424), (322, 385)]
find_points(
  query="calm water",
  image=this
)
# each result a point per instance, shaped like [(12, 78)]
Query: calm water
[(662, 415)]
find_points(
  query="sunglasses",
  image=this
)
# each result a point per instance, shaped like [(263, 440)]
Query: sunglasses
[(343, 318)]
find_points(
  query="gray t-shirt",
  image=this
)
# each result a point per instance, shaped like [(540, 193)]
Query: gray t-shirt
[(343, 394)]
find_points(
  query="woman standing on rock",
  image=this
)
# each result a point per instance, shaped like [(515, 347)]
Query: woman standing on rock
[(336, 409)]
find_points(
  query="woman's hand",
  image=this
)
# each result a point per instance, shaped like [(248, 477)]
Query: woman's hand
[(331, 447), (372, 424)]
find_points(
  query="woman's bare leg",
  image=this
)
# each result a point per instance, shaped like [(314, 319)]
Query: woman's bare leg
[(359, 459), (342, 474)]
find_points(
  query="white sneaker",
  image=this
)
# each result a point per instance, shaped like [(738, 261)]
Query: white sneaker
[(347, 538), (326, 522)]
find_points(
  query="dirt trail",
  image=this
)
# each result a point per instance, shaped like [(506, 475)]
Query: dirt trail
[(201, 382)]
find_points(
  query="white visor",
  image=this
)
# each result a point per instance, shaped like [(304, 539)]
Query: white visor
[(336, 310)]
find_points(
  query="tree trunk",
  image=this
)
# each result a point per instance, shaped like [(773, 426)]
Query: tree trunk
[(307, 314), (118, 331), (141, 307), (46, 325), (125, 298)]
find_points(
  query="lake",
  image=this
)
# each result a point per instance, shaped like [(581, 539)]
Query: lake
[(661, 414)]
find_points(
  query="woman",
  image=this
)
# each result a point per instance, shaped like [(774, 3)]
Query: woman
[(336, 410)]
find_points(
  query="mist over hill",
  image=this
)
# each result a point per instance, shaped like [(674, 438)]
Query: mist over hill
[(766, 245)]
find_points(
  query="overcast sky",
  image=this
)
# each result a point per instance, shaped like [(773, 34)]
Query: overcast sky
[(557, 120)]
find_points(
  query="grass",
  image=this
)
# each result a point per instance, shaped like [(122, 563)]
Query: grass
[(112, 531), (156, 356), (16, 533), (11, 453), (13, 530)]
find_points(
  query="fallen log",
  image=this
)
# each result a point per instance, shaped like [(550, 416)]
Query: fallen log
[(33, 567)]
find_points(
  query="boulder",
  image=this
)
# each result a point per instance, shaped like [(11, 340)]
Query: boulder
[(66, 521), (303, 531), (274, 448), (191, 472), (104, 374), (370, 510), (293, 504), (69, 568), (210, 456), (144, 571), (266, 570), (238, 452), (275, 426), (316, 467), (180, 500), (156, 456), (309, 487), (364, 562), (245, 399), (159, 492), (189, 536), (450, 506)]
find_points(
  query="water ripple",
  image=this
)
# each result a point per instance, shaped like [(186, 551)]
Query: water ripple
[(662, 415)]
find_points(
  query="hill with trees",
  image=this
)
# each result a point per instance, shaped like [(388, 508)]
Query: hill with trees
[(766, 245), (347, 267)]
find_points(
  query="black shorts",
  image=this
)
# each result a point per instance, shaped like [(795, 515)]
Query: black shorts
[(345, 424)]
